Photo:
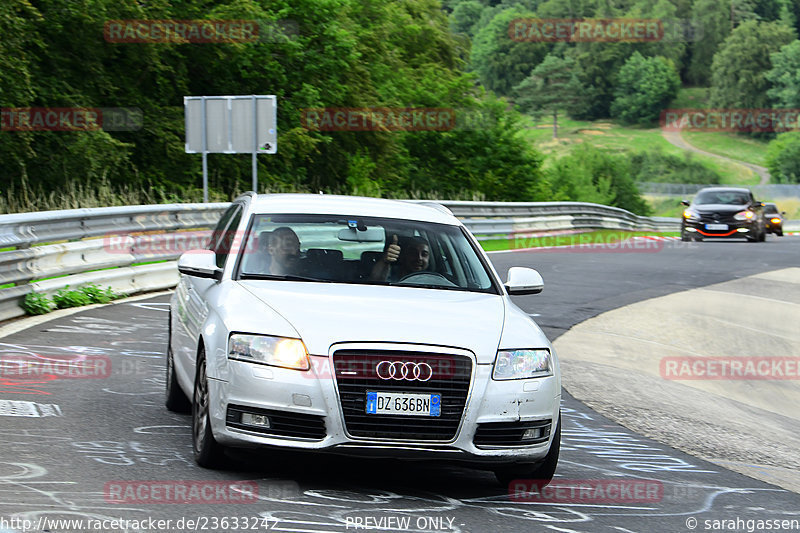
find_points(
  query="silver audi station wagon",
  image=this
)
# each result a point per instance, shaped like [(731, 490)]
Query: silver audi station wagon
[(360, 326)]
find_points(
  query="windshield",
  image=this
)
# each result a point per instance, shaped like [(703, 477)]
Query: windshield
[(722, 197), (352, 249), (770, 209)]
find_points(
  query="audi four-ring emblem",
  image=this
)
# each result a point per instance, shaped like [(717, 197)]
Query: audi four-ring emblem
[(407, 370)]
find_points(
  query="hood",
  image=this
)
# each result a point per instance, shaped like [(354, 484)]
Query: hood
[(327, 313)]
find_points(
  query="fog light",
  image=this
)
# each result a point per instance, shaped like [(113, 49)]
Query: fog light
[(691, 229), (532, 433), (255, 420), (742, 230)]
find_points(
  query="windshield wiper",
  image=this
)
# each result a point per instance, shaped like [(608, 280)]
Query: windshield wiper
[(287, 277)]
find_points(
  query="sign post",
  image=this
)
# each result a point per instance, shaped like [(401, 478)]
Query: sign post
[(231, 125)]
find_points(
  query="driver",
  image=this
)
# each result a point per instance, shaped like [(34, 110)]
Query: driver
[(398, 261), (284, 251)]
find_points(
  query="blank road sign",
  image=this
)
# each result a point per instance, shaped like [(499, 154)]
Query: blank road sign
[(233, 124)]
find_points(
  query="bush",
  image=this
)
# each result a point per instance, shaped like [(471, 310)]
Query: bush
[(36, 303), (98, 295), (588, 174), (783, 158), (656, 166), (70, 298)]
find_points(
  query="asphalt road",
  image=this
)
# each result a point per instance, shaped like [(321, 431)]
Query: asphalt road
[(68, 444)]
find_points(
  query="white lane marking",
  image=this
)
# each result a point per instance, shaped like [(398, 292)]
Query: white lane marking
[(28, 409)]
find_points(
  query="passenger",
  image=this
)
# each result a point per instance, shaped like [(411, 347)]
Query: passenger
[(284, 251), (398, 261)]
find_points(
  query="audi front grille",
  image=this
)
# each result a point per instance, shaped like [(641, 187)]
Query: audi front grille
[(357, 373)]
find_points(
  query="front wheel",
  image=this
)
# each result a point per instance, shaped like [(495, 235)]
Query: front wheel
[(542, 472), (208, 453)]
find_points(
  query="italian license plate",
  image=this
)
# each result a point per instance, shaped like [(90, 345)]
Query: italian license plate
[(717, 227), (403, 403)]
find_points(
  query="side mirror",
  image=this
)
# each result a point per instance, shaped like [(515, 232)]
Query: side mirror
[(783, 213), (685, 202), (200, 264), (523, 280)]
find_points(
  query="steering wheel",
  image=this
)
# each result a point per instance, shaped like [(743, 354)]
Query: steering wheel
[(433, 278)]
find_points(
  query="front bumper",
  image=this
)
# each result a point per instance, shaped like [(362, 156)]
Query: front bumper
[(311, 402), (734, 229)]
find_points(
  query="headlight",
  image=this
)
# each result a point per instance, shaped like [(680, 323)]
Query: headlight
[(688, 214), (274, 351), (522, 364), (744, 215)]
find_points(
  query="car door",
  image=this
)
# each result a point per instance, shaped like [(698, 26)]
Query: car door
[(190, 294)]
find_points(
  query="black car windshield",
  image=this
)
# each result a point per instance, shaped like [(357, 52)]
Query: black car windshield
[(770, 209), (363, 250), (722, 197)]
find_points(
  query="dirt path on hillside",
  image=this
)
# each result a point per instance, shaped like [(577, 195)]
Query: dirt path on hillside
[(675, 139)]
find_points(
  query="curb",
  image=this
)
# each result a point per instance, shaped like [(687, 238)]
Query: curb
[(23, 323)]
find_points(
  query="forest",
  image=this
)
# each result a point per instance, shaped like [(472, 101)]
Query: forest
[(375, 54)]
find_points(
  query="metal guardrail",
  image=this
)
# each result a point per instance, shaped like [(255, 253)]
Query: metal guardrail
[(117, 246)]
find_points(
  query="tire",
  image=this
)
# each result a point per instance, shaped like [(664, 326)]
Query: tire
[(685, 237), (208, 453), (542, 472), (176, 401), (763, 235), (779, 233)]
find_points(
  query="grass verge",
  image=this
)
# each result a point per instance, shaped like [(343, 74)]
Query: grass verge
[(610, 238)]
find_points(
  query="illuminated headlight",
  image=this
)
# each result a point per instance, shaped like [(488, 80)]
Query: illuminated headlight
[(744, 215), (775, 220), (688, 214), (274, 351), (522, 364)]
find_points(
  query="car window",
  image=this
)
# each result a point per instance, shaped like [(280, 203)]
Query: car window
[(224, 236), (347, 249), (771, 208), (722, 197)]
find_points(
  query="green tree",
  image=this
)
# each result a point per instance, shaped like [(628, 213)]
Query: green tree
[(645, 87), (739, 70), (783, 158), (785, 76), (712, 20), (500, 62), (465, 15), (552, 86)]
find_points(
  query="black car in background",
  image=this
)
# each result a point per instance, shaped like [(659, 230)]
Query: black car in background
[(774, 219), (723, 212)]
